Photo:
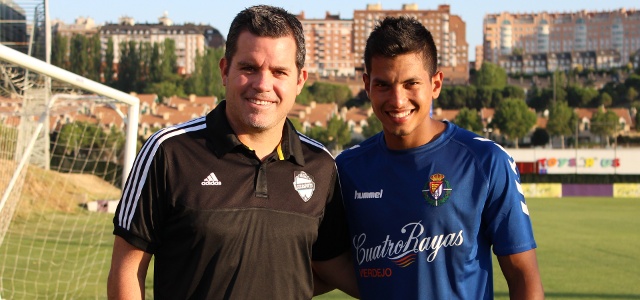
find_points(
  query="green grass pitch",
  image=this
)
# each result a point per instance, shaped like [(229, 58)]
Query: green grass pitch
[(588, 248)]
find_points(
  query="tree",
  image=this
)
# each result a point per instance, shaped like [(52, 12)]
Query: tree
[(578, 96), (126, 67), (514, 119), (631, 95), (59, 49), (324, 92), (483, 97), (604, 123), (559, 83), (78, 56), (491, 75), (305, 97), (206, 79), (95, 58), (373, 126), (540, 137), (108, 61), (539, 99), (562, 120), (338, 133), (469, 119), (604, 99), (512, 91)]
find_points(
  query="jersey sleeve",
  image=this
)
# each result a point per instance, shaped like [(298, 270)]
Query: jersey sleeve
[(139, 211), (333, 233), (506, 215)]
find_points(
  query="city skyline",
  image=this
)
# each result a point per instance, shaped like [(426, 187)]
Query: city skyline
[(210, 13)]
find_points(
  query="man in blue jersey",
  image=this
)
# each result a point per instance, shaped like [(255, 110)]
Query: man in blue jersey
[(427, 201), (235, 204)]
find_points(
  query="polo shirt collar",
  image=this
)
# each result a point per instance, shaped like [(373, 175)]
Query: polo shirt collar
[(223, 139)]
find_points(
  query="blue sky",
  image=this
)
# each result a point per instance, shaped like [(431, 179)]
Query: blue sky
[(220, 13)]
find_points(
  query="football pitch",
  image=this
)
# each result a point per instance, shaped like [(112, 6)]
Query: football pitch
[(588, 248)]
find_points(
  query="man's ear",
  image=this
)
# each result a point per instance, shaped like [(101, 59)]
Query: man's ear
[(436, 83), (224, 70), (367, 83), (302, 78)]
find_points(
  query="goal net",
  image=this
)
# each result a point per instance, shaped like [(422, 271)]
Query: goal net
[(66, 145)]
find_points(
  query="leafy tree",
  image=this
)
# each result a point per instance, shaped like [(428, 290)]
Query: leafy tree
[(95, 58), (491, 75), (324, 92), (633, 81), (539, 99), (305, 97), (169, 60), (127, 67), (558, 84), (338, 133), (512, 91), (166, 89), (540, 137), (335, 136), (578, 96), (108, 61), (604, 99), (483, 97), (155, 75), (59, 49), (88, 140), (206, 79), (373, 126), (514, 119), (562, 120), (78, 56), (604, 123), (631, 95), (451, 97), (469, 119), (144, 74)]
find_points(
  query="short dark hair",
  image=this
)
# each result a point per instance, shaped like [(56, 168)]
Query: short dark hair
[(266, 21), (401, 35)]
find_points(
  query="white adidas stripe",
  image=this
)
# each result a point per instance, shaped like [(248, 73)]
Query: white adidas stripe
[(138, 178)]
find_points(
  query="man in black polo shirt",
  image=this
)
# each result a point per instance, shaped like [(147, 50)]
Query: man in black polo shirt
[(232, 204)]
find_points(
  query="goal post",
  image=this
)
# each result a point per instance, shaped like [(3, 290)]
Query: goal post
[(52, 71), (67, 145)]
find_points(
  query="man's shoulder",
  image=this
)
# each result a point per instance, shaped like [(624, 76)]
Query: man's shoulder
[(358, 150), (172, 133)]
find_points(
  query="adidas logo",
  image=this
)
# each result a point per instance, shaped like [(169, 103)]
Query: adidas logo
[(211, 180)]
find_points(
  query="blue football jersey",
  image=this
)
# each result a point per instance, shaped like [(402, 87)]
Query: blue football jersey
[(423, 221)]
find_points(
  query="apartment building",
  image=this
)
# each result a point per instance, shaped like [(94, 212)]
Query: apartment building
[(190, 39), (329, 45), (13, 26), (448, 30), (567, 32), (81, 25)]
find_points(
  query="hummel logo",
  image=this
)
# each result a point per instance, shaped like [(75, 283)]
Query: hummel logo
[(211, 180), (368, 195)]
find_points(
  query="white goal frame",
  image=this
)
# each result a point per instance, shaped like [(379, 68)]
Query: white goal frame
[(131, 121)]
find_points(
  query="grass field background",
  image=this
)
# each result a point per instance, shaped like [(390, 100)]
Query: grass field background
[(588, 248)]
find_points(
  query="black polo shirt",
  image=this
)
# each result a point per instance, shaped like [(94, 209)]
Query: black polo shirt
[(224, 225)]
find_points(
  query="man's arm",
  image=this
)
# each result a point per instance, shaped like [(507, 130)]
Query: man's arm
[(128, 271), (522, 275), (337, 272)]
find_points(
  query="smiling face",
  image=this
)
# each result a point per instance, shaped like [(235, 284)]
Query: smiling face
[(401, 92), (261, 83)]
